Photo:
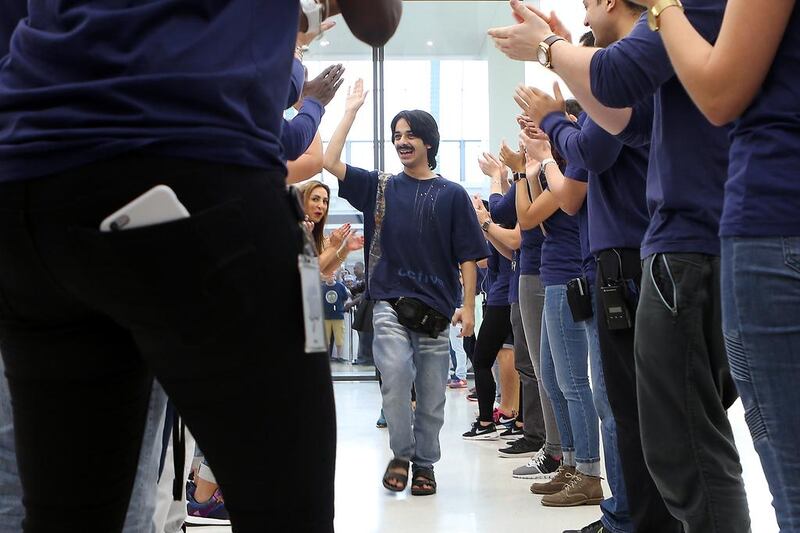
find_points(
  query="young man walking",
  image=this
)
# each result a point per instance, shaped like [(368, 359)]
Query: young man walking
[(422, 229)]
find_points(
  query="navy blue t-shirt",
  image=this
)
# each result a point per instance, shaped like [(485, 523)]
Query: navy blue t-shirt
[(588, 264), (11, 12), (762, 194), (561, 251), (529, 259), (617, 209), (504, 211), (688, 155), (333, 298), (501, 267), (86, 81), (429, 229)]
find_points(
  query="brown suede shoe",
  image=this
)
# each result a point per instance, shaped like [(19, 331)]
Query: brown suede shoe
[(557, 484), (580, 490)]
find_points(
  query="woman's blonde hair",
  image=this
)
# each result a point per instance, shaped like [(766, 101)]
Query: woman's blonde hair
[(318, 233)]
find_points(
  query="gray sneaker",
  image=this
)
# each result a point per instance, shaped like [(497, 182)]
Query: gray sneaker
[(540, 466)]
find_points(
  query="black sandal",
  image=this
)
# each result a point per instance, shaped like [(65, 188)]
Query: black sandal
[(424, 482), (390, 475)]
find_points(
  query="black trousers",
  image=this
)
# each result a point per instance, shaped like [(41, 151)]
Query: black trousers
[(647, 510), (495, 329), (684, 387), (210, 305)]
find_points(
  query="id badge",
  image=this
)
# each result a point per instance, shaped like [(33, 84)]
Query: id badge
[(312, 304)]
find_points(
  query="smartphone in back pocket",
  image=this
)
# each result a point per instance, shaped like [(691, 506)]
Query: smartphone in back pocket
[(156, 206)]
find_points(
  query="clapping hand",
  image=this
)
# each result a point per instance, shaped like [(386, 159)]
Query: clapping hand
[(537, 104), (536, 149), (521, 41), (339, 235), (492, 167), (514, 160), (306, 38)]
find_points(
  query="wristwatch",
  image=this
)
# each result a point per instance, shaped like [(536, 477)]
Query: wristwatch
[(547, 162), (544, 54), (518, 175), (654, 12), (313, 12), (485, 226)]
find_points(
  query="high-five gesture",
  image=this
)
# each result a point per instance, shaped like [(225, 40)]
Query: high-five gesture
[(356, 96)]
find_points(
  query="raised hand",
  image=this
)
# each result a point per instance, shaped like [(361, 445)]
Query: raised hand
[(307, 37), (521, 41), (356, 96), (492, 167), (536, 149), (514, 160), (537, 104), (354, 242), (323, 88), (338, 235), (480, 210)]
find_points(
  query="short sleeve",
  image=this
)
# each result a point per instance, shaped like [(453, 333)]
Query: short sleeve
[(468, 241), (359, 187), (639, 130), (503, 207), (631, 69)]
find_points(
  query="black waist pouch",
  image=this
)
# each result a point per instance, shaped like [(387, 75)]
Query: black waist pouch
[(579, 299), (420, 317)]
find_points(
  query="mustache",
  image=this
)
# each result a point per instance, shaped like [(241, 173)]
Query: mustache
[(404, 147)]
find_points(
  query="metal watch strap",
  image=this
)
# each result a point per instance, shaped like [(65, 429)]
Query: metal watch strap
[(654, 12)]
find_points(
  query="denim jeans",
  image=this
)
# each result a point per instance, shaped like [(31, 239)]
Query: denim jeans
[(405, 358), (11, 510), (684, 387), (761, 323), (531, 308), (616, 515), (142, 507), (565, 371), (457, 347)]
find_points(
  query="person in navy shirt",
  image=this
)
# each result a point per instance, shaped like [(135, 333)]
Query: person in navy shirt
[(529, 425), (760, 226), (334, 298), (678, 318), (99, 102), (422, 230)]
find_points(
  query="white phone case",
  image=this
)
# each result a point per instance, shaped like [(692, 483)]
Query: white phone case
[(158, 205)]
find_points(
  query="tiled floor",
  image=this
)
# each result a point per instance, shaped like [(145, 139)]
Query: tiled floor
[(476, 490)]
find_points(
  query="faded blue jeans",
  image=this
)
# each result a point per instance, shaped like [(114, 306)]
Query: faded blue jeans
[(616, 514), (761, 322), (565, 372), (405, 358), (11, 510)]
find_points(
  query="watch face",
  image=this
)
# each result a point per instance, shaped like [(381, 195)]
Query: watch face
[(541, 55)]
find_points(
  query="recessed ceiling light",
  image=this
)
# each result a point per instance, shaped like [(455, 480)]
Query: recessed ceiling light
[(324, 42), (429, 43)]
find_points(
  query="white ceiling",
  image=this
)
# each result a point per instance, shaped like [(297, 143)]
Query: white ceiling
[(453, 29)]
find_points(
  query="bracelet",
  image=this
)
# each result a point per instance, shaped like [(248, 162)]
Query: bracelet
[(518, 175)]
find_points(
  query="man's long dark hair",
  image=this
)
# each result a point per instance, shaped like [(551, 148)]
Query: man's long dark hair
[(424, 126)]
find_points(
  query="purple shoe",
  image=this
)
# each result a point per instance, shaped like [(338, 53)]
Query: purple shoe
[(212, 512)]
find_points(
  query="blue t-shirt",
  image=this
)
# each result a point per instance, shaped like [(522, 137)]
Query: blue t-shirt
[(588, 265), (615, 199), (688, 155), (762, 194), (530, 254), (501, 267), (504, 211), (561, 250), (333, 298), (86, 81), (429, 229), (11, 12)]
